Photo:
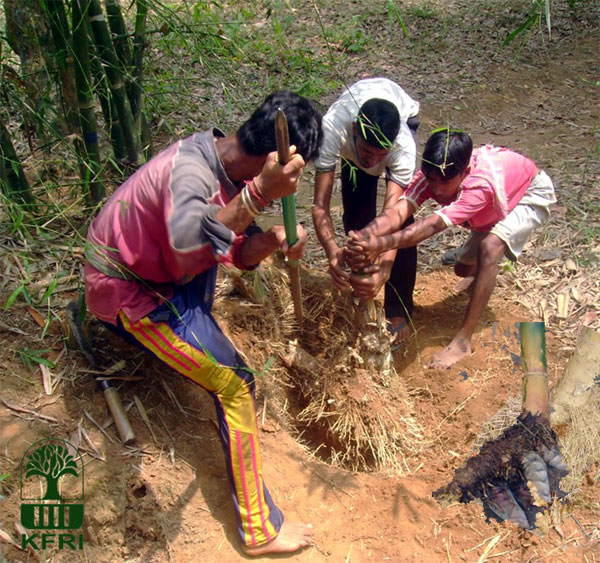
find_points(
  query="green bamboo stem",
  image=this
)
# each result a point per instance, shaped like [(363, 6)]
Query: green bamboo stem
[(131, 61), (13, 182), (117, 26), (136, 95), (535, 378), (116, 79), (85, 99), (289, 221), (109, 110), (61, 36), (26, 28)]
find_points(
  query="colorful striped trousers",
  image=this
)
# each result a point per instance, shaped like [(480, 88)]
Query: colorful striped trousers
[(183, 334)]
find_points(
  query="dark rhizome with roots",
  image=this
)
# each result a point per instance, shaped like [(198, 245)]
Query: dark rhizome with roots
[(504, 467)]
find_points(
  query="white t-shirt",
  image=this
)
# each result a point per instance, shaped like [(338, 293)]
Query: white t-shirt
[(338, 141)]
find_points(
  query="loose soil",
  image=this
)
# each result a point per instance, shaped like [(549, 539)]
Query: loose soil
[(167, 498)]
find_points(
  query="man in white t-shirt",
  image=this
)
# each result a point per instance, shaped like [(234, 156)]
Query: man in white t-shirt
[(371, 128)]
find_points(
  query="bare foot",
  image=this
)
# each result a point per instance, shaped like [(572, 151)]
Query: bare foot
[(463, 284), (456, 351), (291, 537), (399, 329)]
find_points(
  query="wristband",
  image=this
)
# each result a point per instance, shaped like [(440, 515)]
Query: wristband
[(256, 194)]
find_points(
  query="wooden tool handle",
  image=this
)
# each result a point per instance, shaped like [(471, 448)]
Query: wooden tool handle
[(119, 415)]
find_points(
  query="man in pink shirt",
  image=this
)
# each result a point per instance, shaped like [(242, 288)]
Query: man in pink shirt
[(153, 252), (498, 194)]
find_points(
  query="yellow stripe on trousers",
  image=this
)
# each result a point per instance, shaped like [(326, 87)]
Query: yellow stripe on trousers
[(240, 416)]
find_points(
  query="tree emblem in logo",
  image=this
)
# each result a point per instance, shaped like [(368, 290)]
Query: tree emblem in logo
[(51, 461)]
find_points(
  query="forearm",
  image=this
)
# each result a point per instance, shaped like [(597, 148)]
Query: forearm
[(413, 234), (257, 247), (236, 215), (387, 222), (325, 230), (393, 216), (321, 212), (386, 263)]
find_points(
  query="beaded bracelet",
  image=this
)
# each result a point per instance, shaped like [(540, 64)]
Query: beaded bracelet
[(248, 203), (256, 194)]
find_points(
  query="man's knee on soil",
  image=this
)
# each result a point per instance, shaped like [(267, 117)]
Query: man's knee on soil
[(464, 270), (491, 249)]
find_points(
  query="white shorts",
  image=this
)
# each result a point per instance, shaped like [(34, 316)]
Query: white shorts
[(515, 228)]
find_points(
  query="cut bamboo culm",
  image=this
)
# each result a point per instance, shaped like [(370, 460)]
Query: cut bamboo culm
[(535, 372)]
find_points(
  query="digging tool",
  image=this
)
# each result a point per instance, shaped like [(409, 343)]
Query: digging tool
[(110, 393), (289, 213)]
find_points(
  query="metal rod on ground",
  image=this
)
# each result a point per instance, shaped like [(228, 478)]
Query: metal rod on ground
[(289, 213)]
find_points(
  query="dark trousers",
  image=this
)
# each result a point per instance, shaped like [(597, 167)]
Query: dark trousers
[(359, 198)]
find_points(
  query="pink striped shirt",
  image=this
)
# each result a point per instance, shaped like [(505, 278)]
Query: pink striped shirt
[(161, 226)]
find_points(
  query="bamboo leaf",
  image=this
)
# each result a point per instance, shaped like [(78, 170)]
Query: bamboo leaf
[(529, 22), (50, 289), (268, 363), (13, 296), (394, 14)]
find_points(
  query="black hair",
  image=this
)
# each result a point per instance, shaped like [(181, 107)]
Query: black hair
[(257, 134), (447, 153), (378, 122)]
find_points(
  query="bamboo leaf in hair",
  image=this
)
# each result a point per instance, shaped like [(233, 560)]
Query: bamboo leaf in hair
[(448, 132), (365, 125), (447, 129), (442, 166)]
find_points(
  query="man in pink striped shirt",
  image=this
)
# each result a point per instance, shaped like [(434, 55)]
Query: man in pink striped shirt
[(498, 194), (153, 252)]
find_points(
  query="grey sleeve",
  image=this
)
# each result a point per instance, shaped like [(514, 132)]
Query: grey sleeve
[(192, 221)]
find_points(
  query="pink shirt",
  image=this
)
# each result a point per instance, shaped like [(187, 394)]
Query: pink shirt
[(160, 225), (496, 183)]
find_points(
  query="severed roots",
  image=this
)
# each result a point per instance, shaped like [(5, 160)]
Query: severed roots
[(516, 475)]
